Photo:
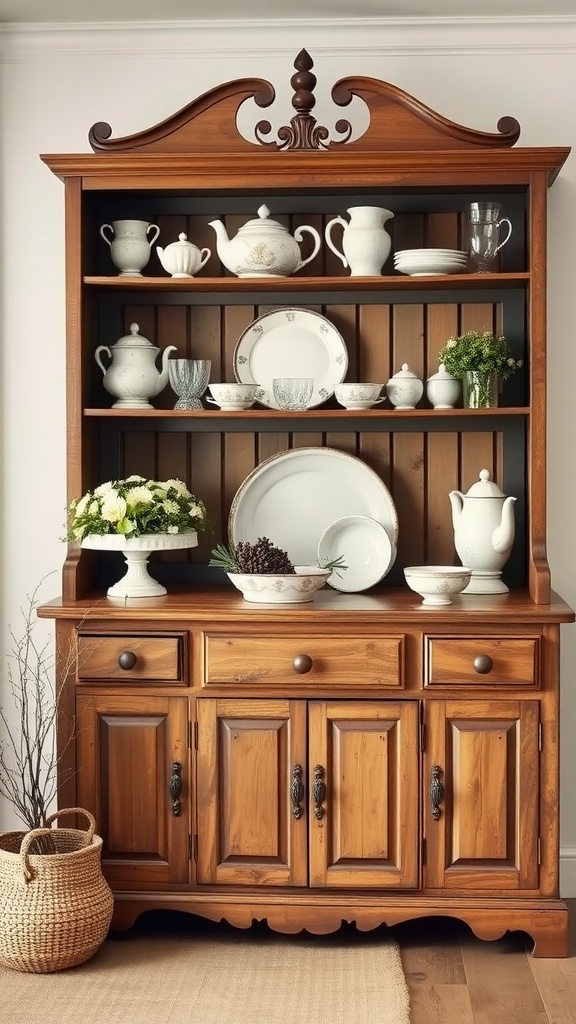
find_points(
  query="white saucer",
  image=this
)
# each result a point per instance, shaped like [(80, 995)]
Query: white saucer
[(365, 548)]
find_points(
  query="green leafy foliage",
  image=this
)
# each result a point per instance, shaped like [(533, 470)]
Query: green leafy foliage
[(480, 352)]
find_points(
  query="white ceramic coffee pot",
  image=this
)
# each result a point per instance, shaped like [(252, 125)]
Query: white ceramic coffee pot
[(133, 377), (484, 530)]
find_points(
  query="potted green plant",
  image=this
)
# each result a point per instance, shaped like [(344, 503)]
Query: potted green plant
[(481, 360), (137, 516)]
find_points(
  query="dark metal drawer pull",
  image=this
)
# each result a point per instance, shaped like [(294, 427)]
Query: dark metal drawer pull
[(127, 660), (483, 664), (302, 663)]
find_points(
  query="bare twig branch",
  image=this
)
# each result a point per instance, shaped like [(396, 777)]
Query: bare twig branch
[(29, 759)]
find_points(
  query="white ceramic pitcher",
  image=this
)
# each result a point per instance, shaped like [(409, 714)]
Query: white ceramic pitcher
[(130, 246), (365, 241)]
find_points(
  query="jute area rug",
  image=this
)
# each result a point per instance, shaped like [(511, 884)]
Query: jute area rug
[(184, 970)]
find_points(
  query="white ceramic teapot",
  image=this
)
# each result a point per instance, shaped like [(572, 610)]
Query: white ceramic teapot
[(133, 376), (484, 530), (263, 247), (182, 258)]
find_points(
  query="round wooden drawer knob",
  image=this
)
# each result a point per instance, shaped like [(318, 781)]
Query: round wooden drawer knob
[(302, 663), (127, 660), (483, 664)]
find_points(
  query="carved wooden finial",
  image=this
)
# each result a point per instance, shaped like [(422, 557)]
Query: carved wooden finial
[(303, 83), (303, 132)]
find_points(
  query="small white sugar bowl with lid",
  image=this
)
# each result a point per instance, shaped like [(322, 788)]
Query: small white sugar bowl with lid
[(182, 258), (442, 389), (405, 389)]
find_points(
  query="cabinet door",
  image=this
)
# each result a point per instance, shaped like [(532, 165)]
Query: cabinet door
[(247, 831), (482, 831), (128, 750), (365, 830)]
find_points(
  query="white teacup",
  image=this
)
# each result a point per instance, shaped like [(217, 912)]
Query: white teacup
[(358, 395), (233, 397)]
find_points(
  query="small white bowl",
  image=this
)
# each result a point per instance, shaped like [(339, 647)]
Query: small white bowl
[(289, 588), (436, 584), (233, 397), (358, 395)]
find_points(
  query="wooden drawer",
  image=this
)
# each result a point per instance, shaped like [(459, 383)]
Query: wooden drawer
[(483, 661), (273, 660), (156, 658)]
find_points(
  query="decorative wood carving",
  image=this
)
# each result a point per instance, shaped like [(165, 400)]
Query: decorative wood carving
[(398, 122)]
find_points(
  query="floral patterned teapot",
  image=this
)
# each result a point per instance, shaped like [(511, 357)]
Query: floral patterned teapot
[(263, 247)]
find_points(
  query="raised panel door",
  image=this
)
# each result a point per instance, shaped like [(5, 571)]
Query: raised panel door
[(248, 833), (364, 827), (129, 751), (481, 809)]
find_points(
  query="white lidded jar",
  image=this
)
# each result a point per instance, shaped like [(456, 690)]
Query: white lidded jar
[(182, 258), (405, 389), (442, 389)]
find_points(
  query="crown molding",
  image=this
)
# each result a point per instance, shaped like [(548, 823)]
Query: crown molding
[(386, 37)]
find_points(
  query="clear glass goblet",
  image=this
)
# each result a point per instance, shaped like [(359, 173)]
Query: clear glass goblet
[(189, 380)]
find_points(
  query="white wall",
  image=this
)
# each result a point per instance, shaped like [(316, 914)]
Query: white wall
[(57, 83)]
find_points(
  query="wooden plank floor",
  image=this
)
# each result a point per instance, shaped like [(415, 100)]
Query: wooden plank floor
[(455, 978)]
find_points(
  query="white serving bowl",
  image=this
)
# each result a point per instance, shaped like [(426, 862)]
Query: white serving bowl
[(233, 397), (269, 588), (437, 584), (357, 395)]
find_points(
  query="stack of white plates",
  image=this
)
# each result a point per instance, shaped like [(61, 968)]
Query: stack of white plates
[(419, 262)]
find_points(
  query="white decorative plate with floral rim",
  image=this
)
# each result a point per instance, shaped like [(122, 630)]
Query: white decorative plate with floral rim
[(293, 497), (365, 549), (291, 342)]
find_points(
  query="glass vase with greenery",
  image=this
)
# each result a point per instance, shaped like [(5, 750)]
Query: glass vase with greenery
[(480, 359)]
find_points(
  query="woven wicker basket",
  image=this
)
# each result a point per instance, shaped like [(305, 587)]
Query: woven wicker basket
[(55, 908)]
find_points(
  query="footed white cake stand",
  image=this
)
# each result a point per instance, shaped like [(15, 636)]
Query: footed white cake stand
[(137, 581)]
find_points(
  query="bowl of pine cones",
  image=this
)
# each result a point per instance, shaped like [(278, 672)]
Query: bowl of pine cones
[(265, 574)]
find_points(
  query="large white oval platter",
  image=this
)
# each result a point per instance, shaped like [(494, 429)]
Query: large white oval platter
[(366, 551), (291, 343), (294, 497)]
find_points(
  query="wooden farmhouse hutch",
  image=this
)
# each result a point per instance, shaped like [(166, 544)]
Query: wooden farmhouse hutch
[(434, 731)]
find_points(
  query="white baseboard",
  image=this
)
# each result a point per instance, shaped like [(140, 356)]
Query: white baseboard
[(568, 872)]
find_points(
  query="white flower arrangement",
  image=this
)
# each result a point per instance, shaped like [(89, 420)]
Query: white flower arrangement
[(134, 507)]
